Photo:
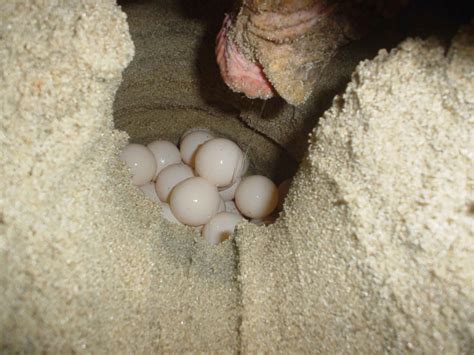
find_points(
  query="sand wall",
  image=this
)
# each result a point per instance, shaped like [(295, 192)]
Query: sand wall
[(87, 264), (374, 253)]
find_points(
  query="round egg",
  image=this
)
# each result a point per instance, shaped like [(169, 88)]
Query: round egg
[(228, 193), (232, 208), (149, 191), (169, 177), (194, 201), (256, 196), (190, 143), (242, 166), (168, 214), (166, 153), (220, 161), (194, 129), (221, 206), (220, 227), (141, 162)]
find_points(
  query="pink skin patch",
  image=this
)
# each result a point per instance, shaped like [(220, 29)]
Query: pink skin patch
[(240, 74)]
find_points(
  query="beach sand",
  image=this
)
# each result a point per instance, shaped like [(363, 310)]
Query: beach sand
[(374, 251)]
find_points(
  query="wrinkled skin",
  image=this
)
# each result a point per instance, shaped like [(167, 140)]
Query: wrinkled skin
[(281, 46), (239, 73)]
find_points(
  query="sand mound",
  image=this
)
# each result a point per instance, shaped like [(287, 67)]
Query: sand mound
[(374, 251)]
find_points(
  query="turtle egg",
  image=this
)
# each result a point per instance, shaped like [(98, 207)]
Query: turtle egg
[(228, 193), (256, 196), (168, 214), (220, 227), (220, 161), (194, 129), (149, 191), (194, 201), (242, 166), (232, 208), (141, 162), (190, 143), (169, 177), (165, 154), (221, 206)]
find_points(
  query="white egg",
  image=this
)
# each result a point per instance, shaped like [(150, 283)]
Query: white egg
[(166, 153), (242, 166), (194, 129), (220, 227), (221, 206), (283, 189), (168, 214), (169, 177), (194, 201), (228, 193), (220, 161), (141, 162), (149, 191), (232, 208), (190, 144), (256, 196)]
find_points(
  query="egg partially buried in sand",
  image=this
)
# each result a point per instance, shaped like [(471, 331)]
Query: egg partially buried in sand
[(256, 196), (168, 214), (220, 227), (141, 162), (194, 201), (150, 192)]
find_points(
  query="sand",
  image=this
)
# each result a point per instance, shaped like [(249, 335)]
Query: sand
[(374, 252)]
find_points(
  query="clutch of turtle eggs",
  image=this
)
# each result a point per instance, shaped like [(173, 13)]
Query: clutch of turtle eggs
[(203, 183)]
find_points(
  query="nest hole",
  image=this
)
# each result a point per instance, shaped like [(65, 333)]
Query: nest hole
[(173, 83)]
